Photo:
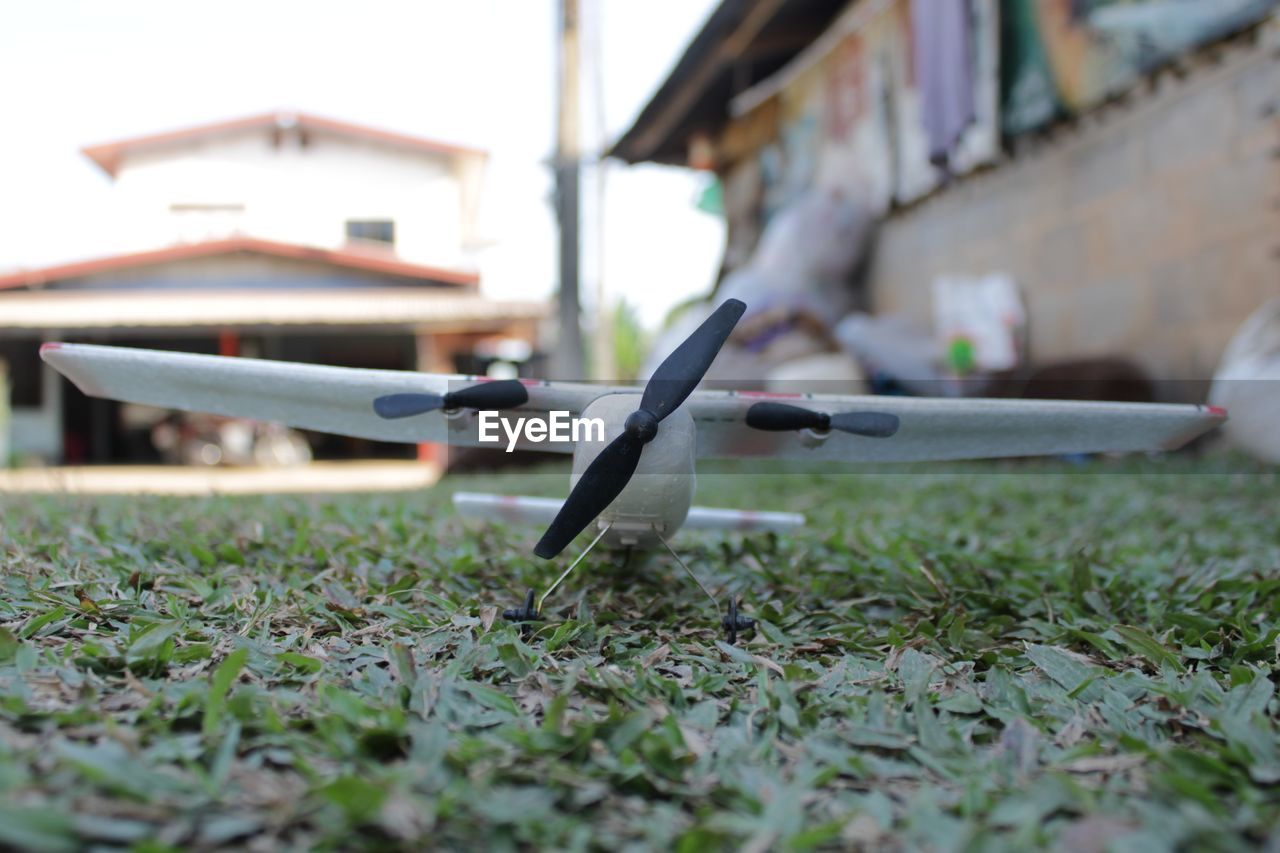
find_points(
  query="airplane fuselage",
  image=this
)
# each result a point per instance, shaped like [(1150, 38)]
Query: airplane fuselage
[(658, 497)]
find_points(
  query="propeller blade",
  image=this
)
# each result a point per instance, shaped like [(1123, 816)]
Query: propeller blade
[(609, 473), (503, 394), (406, 405), (604, 479), (869, 424), (680, 372), (782, 417)]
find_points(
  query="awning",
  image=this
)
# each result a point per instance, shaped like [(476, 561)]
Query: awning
[(741, 43), (151, 309)]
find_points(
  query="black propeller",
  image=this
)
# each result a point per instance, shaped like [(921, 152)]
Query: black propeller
[(609, 473), (781, 417), (504, 394)]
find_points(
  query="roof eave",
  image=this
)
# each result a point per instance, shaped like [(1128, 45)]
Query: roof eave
[(763, 34), (350, 258), (109, 155)]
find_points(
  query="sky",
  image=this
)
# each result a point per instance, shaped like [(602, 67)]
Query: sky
[(482, 73)]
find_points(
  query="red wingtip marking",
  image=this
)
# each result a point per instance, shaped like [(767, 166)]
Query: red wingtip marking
[(1217, 411), (49, 346)]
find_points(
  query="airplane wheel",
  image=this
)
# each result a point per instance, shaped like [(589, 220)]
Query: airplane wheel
[(524, 615), (733, 623)]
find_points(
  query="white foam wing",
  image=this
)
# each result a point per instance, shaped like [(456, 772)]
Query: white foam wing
[(340, 400), (327, 399), (943, 429)]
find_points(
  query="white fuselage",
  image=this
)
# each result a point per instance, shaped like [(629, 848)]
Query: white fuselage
[(657, 498)]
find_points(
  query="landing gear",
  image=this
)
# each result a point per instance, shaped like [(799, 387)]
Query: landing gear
[(733, 623), (532, 609), (524, 615)]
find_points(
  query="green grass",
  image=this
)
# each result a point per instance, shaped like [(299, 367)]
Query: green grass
[(978, 657)]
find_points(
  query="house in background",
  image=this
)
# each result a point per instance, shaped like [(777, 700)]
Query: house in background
[(299, 178), (284, 236), (1120, 161)]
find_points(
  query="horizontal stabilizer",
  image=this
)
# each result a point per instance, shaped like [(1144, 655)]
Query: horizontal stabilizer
[(518, 509), (746, 520), (509, 508)]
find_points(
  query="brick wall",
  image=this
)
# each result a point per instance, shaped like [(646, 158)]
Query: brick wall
[(1150, 228)]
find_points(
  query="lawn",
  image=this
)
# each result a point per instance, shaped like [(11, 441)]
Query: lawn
[(971, 657)]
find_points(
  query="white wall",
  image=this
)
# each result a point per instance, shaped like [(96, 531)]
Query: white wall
[(296, 194)]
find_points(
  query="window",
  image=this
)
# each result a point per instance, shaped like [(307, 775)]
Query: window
[(372, 230), (21, 360)]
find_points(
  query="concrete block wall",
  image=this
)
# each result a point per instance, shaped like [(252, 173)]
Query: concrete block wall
[(1149, 229)]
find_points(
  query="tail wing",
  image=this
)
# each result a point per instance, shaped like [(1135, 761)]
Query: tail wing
[(540, 511)]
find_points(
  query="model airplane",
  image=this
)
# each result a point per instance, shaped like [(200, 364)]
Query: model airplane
[(634, 477)]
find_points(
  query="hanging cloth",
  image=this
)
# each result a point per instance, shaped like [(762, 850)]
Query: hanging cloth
[(944, 72)]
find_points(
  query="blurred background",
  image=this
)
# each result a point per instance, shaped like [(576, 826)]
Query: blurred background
[(1043, 198)]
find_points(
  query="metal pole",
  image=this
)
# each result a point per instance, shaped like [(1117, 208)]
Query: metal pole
[(568, 361), (603, 362)]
